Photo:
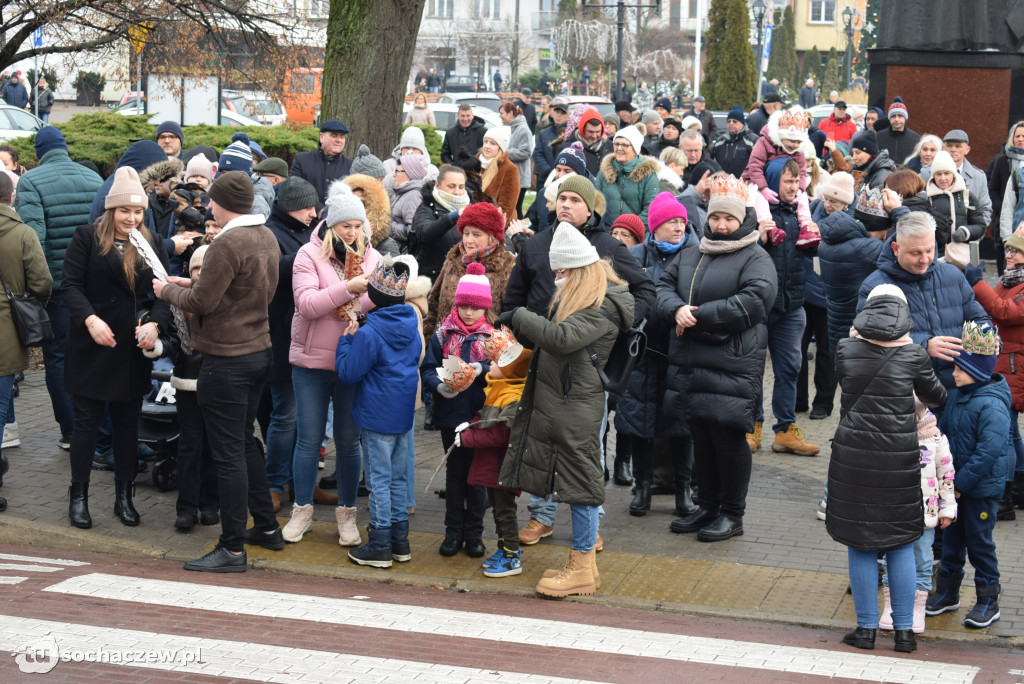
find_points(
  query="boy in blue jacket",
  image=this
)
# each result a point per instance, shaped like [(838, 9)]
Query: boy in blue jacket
[(381, 359), (977, 421)]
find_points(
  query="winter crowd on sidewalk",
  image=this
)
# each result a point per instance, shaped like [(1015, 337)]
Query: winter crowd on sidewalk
[(334, 297)]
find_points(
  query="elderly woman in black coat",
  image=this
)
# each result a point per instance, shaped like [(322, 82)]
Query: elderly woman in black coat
[(874, 479), (108, 288), (719, 296)]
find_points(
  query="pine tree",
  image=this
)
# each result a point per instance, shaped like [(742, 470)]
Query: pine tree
[(730, 77), (782, 61), (830, 81), (868, 37), (812, 65)]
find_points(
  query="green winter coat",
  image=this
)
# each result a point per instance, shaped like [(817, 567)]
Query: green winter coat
[(555, 445), (628, 188), (24, 269), (53, 199)]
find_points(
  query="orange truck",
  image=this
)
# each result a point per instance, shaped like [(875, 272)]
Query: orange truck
[(302, 92)]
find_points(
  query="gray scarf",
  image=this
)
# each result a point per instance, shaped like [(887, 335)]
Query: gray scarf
[(709, 246), (1014, 155)]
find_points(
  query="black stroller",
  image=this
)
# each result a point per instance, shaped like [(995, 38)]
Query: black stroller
[(158, 426)]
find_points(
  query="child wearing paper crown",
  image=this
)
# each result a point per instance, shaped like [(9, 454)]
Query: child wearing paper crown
[(488, 435), (977, 421), (462, 335), (380, 359), (780, 139)]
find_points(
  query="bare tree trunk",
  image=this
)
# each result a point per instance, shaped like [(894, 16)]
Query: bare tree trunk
[(370, 46)]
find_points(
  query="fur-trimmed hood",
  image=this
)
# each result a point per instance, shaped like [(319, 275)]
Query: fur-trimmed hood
[(771, 130), (377, 203), (646, 167), (668, 175), (161, 171)]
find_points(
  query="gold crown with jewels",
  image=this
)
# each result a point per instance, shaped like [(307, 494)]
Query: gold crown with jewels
[(980, 339), (725, 185), (793, 121), (384, 278)]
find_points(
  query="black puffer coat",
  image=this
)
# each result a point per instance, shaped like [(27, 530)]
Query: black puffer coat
[(436, 232), (716, 367), (641, 410), (874, 477)]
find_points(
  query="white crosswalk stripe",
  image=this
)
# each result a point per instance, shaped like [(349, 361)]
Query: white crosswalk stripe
[(12, 580), (513, 629), (21, 567), (261, 662), (31, 564), (40, 559)]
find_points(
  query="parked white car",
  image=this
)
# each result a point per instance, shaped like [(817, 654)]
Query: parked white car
[(254, 105), (227, 117), (17, 123)]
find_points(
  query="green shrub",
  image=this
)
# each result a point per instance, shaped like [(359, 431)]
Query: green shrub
[(103, 138), (531, 79)]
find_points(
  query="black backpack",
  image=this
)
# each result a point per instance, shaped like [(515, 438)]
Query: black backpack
[(627, 351)]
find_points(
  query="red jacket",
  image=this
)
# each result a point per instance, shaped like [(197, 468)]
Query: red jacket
[(840, 131), (488, 445), (1006, 307)]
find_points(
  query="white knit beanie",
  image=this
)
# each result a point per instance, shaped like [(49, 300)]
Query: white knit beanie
[(839, 188), (199, 165), (570, 249), (501, 135), (887, 290), (344, 206), (943, 162), (632, 136)]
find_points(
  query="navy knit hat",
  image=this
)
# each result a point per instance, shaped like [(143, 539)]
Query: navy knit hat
[(865, 141), (170, 127), (48, 139), (737, 114), (664, 103), (237, 156), (572, 156), (980, 350)]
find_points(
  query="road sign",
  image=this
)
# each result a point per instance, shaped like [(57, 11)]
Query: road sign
[(767, 43), (37, 37), (137, 34)]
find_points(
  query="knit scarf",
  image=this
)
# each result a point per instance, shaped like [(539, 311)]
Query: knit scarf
[(449, 201), (149, 256), (1012, 277), (709, 246), (668, 247), (477, 255), (454, 333), (1015, 156), (485, 162)]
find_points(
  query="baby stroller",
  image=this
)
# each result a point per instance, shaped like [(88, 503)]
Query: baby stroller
[(158, 426)]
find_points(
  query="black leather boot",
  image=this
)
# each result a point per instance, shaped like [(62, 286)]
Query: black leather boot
[(643, 472), (621, 475), (641, 502), (682, 463), (1005, 509), (1018, 489), (905, 641), (78, 509), (861, 637), (123, 506)]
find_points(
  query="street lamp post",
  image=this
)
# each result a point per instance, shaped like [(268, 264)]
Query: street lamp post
[(850, 16), (620, 6), (759, 11)]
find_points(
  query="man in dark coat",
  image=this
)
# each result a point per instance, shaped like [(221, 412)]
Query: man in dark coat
[(732, 149), (14, 92), (467, 134), (940, 298), (707, 121), (787, 318), (692, 144), (898, 139), (529, 111), (326, 163), (756, 121), (543, 151), (808, 94)]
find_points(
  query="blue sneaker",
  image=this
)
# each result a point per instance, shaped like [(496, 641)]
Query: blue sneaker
[(509, 564), (103, 460), (495, 557)]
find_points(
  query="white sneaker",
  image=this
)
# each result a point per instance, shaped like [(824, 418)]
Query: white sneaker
[(11, 438), (348, 533), (821, 510), (300, 524), (64, 443)]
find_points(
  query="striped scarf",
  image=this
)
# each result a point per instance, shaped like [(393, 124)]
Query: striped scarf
[(151, 259)]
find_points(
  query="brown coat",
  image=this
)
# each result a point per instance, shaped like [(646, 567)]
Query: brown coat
[(416, 297), (24, 268), (442, 296), (504, 188), (377, 203)]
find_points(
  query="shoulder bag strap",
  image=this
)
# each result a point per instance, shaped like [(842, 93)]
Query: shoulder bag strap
[(860, 392)]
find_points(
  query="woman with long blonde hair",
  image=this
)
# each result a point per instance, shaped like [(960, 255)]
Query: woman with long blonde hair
[(555, 447), (329, 282), (109, 269), (500, 177)]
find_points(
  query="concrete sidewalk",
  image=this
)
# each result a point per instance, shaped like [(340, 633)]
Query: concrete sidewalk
[(785, 568)]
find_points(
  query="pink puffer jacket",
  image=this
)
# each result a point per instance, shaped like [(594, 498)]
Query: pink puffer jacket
[(318, 291)]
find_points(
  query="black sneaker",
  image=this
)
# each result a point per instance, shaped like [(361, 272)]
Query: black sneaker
[(186, 521), (818, 413), (272, 539), (401, 551), (219, 560), (209, 517), (374, 558)]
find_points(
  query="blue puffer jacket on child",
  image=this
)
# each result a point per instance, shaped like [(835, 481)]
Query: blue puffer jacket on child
[(976, 421)]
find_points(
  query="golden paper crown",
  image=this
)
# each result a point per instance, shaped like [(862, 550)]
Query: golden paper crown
[(793, 121), (724, 185), (384, 279), (980, 339), (456, 373), (502, 343)]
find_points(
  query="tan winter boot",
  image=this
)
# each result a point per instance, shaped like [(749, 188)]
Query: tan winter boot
[(300, 524), (754, 438), (791, 440), (275, 498), (593, 555), (322, 497), (348, 533), (575, 579)]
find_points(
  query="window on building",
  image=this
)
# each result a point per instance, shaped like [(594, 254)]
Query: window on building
[(693, 9), (486, 9), (674, 14), (823, 12), (440, 8), (319, 8)]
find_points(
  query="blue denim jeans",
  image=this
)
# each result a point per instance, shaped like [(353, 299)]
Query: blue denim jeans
[(281, 435), (410, 468), (385, 463), (785, 333), (6, 400), (1018, 447), (314, 389), (864, 584), (585, 520), (922, 561), (53, 359)]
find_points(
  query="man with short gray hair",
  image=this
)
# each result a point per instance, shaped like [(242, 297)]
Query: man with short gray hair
[(939, 296)]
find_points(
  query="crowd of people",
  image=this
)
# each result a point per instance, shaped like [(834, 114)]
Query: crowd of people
[(332, 297)]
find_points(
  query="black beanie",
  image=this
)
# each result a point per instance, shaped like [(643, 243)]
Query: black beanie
[(296, 193), (865, 141), (233, 191)]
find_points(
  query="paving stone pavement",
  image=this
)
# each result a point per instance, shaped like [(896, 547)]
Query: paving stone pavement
[(784, 567)]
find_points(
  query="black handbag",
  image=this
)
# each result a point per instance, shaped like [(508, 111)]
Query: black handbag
[(30, 318), (628, 350)]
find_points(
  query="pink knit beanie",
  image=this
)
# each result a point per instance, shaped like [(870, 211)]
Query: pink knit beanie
[(664, 207), (474, 289)]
